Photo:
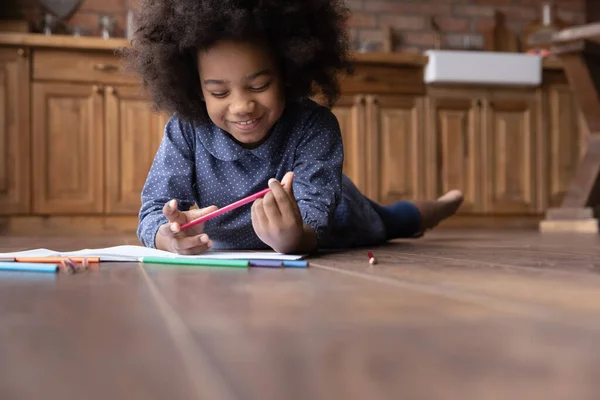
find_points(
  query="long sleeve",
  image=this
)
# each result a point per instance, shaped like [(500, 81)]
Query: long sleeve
[(317, 170), (171, 177)]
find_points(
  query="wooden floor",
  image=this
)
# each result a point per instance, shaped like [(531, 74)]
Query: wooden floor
[(455, 315)]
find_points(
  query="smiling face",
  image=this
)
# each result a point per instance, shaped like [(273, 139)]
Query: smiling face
[(242, 89)]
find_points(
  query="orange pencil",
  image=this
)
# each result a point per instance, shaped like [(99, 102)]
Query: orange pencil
[(56, 259)]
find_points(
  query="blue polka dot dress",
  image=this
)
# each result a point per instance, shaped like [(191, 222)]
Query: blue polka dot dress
[(202, 164)]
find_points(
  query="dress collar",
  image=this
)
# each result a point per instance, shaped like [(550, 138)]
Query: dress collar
[(221, 145)]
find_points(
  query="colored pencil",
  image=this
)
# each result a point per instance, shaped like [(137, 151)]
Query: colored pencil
[(56, 260), (296, 264), (225, 209), (29, 267), (196, 261), (266, 263)]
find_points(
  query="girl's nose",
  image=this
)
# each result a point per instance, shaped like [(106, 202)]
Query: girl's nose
[(241, 106)]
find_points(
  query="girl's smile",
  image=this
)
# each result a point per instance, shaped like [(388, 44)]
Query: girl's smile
[(247, 125)]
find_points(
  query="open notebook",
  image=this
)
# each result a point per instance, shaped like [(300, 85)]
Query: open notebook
[(135, 253)]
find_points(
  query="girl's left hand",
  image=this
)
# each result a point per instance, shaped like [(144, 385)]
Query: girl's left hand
[(276, 217)]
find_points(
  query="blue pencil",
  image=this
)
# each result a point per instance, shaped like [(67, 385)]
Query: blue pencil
[(296, 264), (29, 267)]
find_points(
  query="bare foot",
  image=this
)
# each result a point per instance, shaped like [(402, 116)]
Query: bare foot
[(435, 211)]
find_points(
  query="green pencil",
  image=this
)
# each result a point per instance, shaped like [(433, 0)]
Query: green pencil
[(195, 261)]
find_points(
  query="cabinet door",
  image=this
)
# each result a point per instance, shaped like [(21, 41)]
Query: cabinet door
[(510, 149), (68, 148), (133, 134), (394, 151), (564, 141), (15, 134), (350, 112), (452, 145)]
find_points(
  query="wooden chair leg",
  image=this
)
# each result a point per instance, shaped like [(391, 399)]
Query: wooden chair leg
[(581, 205)]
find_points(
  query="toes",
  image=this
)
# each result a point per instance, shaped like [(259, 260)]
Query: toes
[(451, 196)]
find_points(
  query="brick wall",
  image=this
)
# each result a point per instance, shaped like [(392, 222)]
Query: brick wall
[(459, 20)]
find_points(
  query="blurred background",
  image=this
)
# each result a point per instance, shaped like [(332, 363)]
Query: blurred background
[(78, 134)]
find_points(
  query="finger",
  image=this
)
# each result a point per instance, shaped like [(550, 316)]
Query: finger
[(259, 212), (175, 230), (195, 214), (176, 218), (195, 250), (192, 215), (171, 211), (256, 223), (271, 207), (165, 230), (288, 183), (185, 244), (285, 203)]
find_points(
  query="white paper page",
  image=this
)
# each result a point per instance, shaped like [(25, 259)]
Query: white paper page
[(31, 253), (134, 253)]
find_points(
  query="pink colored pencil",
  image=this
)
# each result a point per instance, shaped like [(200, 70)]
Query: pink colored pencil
[(225, 209)]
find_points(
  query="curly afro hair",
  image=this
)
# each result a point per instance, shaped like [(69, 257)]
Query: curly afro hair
[(307, 37)]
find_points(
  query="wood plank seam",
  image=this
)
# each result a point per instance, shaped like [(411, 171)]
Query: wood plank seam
[(207, 382)]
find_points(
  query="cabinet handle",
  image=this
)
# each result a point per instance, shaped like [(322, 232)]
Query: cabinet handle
[(105, 67), (22, 53)]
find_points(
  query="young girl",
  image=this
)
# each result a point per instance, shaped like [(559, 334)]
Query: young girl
[(238, 76)]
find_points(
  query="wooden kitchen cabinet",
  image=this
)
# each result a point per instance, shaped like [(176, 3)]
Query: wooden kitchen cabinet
[(512, 152), (15, 157), (75, 155), (394, 153), (484, 141), (383, 137), (350, 111), (133, 133), (453, 145), (93, 142), (68, 151)]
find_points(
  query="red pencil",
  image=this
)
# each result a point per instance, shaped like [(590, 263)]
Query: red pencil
[(225, 209), (372, 260)]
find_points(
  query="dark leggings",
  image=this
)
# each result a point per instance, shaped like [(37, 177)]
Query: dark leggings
[(401, 220)]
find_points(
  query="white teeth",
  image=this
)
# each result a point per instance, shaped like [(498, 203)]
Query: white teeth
[(247, 122)]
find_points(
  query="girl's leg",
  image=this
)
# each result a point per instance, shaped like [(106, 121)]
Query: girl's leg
[(406, 219)]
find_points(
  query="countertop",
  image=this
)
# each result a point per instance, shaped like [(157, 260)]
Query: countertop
[(97, 43)]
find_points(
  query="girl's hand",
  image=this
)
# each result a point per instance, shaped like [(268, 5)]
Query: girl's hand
[(276, 217), (192, 240)]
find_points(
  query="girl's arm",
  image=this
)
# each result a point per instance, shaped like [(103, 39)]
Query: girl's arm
[(296, 216), (171, 177), (317, 171)]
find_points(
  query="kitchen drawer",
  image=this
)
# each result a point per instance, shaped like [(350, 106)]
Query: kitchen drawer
[(391, 79), (80, 66)]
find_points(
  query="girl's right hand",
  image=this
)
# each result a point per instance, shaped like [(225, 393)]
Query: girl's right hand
[(192, 240)]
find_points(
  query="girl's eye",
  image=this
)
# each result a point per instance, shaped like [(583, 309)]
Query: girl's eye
[(260, 88), (220, 95)]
